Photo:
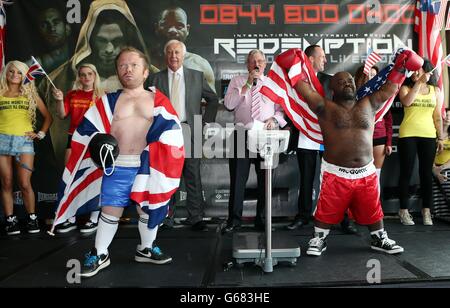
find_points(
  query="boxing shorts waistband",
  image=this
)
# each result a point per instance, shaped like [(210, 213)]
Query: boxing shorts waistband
[(349, 173), (128, 160)]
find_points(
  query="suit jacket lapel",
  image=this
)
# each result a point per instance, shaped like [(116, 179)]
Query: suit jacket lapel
[(165, 82), (188, 86)]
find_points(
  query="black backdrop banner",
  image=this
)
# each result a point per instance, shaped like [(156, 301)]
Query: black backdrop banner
[(61, 34), (222, 32)]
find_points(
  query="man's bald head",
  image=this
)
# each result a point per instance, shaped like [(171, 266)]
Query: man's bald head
[(343, 86), (173, 24)]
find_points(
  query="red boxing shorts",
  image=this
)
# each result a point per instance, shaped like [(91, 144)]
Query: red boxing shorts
[(348, 188)]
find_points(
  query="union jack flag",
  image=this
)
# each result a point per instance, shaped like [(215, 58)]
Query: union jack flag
[(2, 35), (279, 88), (158, 177), (3, 31), (34, 71)]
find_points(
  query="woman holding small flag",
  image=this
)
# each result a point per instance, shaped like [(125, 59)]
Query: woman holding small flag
[(420, 134), (76, 103), (18, 103)]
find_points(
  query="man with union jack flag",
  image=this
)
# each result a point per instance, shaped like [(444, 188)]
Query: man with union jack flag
[(146, 172)]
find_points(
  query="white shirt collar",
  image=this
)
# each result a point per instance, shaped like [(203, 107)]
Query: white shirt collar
[(179, 71), (262, 78)]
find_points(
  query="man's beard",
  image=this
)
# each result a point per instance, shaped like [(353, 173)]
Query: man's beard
[(344, 96), (56, 43), (348, 96)]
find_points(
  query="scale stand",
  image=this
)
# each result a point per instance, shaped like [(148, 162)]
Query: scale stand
[(249, 246)]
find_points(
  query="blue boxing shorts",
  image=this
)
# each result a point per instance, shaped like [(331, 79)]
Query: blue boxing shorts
[(116, 188)]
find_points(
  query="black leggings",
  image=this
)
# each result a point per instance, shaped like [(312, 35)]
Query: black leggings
[(425, 148)]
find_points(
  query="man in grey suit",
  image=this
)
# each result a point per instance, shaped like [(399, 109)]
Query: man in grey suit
[(186, 88)]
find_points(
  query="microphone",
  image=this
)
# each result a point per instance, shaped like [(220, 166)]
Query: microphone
[(256, 79)]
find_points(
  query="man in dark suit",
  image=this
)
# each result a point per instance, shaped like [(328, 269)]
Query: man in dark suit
[(308, 150), (186, 88)]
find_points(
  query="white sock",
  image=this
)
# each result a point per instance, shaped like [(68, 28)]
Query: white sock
[(72, 219), (148, 236), (94, 216), (107, 227), (324, 231), (377, 232)]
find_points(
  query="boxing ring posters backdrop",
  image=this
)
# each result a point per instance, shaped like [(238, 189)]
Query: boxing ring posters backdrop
[(218, 34)]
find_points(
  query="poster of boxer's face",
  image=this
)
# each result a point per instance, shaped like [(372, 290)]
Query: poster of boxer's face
[(62, 34)]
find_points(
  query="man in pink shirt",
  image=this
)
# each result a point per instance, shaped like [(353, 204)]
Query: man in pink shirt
[(250, 112)]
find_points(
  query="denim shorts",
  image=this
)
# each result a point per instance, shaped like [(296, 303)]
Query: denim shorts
[(15, 145)]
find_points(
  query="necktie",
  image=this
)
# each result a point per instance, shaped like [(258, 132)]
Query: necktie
[(256, 103), (175, 93)]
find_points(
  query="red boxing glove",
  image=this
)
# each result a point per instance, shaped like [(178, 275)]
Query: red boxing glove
[(287, 58), (413, 61), (407, 60)]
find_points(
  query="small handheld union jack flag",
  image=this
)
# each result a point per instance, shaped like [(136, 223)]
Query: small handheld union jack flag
[(34, 71), (2, 31)]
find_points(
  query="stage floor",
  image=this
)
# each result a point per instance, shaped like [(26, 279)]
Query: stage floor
[(199, 258)]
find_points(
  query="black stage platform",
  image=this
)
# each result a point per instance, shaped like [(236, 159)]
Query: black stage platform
[(199, 258)]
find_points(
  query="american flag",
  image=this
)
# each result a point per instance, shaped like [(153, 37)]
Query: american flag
[(447, 24), (34, 71), (374, 84), (428, 25), (159, 174), (441, 16), (279, 88), (371, 60)]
